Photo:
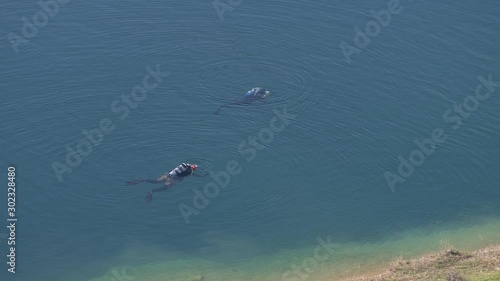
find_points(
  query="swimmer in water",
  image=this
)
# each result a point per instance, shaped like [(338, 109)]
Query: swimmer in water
[(169, 179), (253, 95)]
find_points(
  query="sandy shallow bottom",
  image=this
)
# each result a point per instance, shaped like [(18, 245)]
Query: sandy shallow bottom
[(344, 260)]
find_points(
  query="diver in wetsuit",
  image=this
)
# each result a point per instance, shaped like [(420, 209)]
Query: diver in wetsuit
[(254, 94), (169, 179)]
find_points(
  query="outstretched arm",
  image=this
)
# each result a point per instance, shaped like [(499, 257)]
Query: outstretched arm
[(200, 174)]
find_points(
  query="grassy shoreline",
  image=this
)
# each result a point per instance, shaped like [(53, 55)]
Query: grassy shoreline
[(447, 264)]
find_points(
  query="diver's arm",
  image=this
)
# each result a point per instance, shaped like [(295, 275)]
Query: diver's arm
[(200, 175)]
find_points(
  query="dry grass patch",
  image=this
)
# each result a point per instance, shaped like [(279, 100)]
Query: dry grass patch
[(446, 265)]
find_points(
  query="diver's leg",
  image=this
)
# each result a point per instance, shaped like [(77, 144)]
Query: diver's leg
[(168, 183), (149, 196), (153, 181), (134, 182), (162, 178), (220, 108)]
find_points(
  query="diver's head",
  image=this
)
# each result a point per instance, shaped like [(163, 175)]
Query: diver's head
[(193, 166)]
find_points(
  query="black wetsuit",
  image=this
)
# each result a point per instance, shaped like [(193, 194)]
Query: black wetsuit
[(170, 178)]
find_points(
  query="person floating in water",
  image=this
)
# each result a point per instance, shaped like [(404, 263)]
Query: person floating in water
[(169, 179), (254, 94)]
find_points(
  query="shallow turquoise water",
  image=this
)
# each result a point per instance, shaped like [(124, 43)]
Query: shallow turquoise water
[(323, 174)]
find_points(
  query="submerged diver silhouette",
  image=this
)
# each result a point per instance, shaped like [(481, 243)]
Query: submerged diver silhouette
[(169, 179), (254, 94)]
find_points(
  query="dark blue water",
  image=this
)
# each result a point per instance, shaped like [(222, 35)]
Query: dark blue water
[(323, 174)]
